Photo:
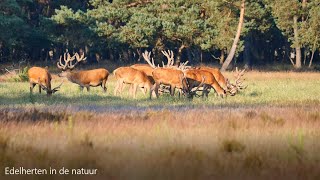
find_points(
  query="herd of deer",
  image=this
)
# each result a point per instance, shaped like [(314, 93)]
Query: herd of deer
[(148, 77)]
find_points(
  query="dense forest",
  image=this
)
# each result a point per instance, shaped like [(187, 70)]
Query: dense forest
[(250, 32)]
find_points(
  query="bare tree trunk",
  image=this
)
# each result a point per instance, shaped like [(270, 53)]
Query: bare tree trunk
[(313, 51), (236, 39), (297, 43), (179, 54), (221, 57)]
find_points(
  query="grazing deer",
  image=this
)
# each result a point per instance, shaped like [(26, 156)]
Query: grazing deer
[(224, 82), (42, 77), (196, 77), (168, 75), (129, 75), (88, 78), (146, 69), (217, 75), (238, 86)]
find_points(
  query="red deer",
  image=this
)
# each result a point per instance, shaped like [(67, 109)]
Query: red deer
[(167, 75), (129, 75), (146, 69), (171, 77), (88, 78), (224, 82), (42, 77), (196, 77)]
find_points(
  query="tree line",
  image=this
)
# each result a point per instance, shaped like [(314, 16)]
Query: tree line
[(220, 31)]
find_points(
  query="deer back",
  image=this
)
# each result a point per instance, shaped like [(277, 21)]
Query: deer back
[(131, 76), (38, 75), (217, 75), (89, 76), (169, 76)]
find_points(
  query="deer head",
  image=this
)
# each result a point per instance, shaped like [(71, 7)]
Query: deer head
[(238, 86), (48, 89)]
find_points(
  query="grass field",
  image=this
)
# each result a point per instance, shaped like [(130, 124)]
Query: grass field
[(269, 131)]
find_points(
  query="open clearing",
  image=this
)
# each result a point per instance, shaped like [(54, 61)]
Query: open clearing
[(270, 130)]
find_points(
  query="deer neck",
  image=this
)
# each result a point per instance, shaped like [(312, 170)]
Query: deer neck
[(73, 77)]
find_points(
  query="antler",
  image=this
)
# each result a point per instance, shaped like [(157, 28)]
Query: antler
[(170, 57), (79, 59), (201, 84), (68, 61), (146, 56), (56, 88), (238, 76), (234, 88)]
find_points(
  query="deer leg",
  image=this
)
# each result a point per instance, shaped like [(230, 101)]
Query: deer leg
[(103, 85), (172, 90), (144, 90), (152, 92), (31, 87), (81, 88), (88, 88), (156, 89), (116, 89), (39, 88), (134, 92)]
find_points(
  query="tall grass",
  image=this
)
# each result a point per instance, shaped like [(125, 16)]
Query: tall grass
[(202, 143)]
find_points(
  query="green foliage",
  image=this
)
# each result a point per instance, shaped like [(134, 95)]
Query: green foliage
[(22, 75)]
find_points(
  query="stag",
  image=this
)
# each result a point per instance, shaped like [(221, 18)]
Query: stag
[(224, 82), (238, 86), (167, 75), (196, 77), (42, 77), (136, 78), (88, 78)]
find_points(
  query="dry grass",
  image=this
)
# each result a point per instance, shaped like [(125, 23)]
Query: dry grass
[(226, 143), (269, 131)]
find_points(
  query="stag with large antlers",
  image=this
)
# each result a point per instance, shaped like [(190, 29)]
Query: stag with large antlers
[(197, 76), (238, 86), (166, 75), (88, 78), (42, 77), (224, 82)]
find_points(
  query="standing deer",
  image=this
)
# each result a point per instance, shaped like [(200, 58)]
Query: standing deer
[(167, 75), (129, 75), (42, 77), (88, 78)]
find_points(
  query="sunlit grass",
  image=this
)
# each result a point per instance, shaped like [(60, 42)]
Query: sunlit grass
[(263, 89), (269, 131)]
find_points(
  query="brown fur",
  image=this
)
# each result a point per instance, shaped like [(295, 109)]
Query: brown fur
[(195, 77), (146, 68), (39, 75), (129, 75), (171, 77), (217, 75), (93, 78)]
